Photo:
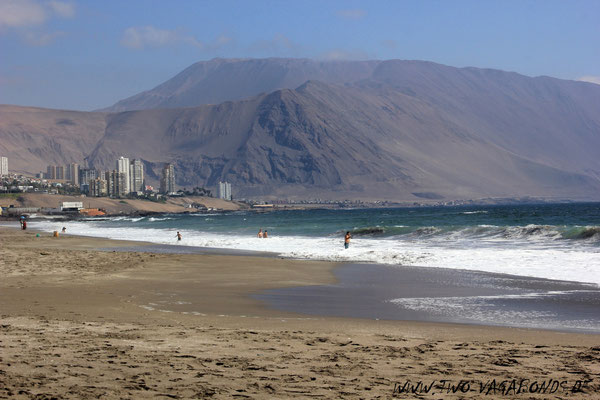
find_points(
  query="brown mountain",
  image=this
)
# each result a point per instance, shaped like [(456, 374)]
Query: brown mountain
[(32, 138), (219, 80), (410, 130)]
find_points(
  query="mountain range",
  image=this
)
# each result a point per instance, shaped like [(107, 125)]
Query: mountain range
[(393, 130)]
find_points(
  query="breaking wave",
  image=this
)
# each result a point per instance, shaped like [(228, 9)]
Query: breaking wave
[(589, 234)]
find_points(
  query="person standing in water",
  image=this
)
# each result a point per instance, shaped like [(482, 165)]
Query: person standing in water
[(265, 235), (347, 239), (178, 236), (260, 234)]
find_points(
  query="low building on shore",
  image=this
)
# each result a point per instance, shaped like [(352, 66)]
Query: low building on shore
[(71, 206)]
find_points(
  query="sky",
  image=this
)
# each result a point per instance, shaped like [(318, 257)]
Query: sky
[(86, 55)]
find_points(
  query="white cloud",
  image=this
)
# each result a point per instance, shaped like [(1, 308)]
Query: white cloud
[(222, 40), (351, 14), (62, 9), (20, 13), (590, 78), (41, 38), (25, 17), (27, 13), (148, 36)]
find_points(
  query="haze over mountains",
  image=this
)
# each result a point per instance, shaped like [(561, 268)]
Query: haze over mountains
[(397, 130)]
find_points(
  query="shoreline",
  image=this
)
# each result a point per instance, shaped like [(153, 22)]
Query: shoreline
[(347, 284), (68, 309), (106, 245), (175, 247)]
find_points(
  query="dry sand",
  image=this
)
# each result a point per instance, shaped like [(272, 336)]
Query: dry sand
[(72, 326)]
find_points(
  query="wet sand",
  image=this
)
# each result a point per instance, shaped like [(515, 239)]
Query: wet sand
[(446, 295), (82, 323)]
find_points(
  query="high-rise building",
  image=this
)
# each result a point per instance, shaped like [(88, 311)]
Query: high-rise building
[(167, 179), (86, 175), (136, 176), (51, 172), (72, 173), (98, 187), (115, 182), (224, 190), (60, 172), (123, 167), (3, 166)]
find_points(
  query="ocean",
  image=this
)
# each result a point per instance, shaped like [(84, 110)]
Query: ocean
[(553, 241), (530, 266)]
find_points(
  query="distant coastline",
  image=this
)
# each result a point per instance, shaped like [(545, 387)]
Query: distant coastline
[(193, 204)]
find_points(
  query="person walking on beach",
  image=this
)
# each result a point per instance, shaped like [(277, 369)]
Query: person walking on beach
[(178, 236), (260, 234), (64, 229), (347, 239)]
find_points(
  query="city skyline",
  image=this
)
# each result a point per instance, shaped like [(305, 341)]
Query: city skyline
[(48, 63), (127, 178)]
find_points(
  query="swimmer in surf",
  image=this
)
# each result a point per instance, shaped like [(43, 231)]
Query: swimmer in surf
[(347, 240)]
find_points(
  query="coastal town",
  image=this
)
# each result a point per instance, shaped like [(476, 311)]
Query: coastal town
[(91, 192), (124, 190)]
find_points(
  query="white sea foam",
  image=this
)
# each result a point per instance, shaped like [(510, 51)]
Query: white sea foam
[(484, 309), (508, 255)]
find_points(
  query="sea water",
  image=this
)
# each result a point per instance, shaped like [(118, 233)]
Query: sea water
[(554, 241)]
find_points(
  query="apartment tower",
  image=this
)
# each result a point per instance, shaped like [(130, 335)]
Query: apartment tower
[(123, 167), (136, 176), (167, 179), (3, 166)]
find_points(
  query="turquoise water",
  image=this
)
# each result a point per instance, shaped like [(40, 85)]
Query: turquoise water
[(559, 221)]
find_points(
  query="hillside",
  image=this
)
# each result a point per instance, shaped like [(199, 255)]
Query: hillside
[(408, 131), (33, 138)]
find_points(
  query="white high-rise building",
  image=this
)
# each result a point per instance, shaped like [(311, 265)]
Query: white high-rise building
[(123, 167), (3, 166), (224, 190), (136, 176)]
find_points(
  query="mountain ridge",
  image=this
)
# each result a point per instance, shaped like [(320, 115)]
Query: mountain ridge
[(409, 128)]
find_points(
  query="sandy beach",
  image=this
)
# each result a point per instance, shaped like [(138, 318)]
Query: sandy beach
[(81, 322)]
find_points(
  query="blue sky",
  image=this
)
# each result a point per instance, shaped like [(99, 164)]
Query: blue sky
[(85, 55)]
